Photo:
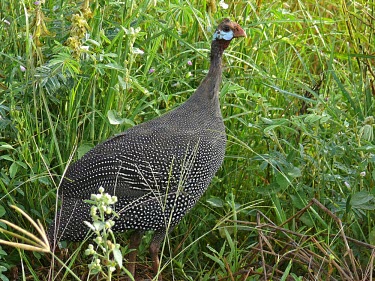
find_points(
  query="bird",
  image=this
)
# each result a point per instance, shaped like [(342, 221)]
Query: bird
[(158, 169)]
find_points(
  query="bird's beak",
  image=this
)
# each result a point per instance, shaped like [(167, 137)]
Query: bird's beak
[(239, 32)]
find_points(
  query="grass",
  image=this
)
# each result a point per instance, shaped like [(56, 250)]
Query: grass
[(298, 101)]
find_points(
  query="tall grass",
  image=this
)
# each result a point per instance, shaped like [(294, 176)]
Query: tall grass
[(297, 97)]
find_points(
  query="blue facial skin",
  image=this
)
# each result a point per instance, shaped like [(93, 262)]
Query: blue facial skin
[(219, 34)]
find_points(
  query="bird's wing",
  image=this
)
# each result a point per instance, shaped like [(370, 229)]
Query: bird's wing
[(132, 165)]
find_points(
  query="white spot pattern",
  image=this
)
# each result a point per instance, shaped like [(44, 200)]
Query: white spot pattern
[(158, 169)]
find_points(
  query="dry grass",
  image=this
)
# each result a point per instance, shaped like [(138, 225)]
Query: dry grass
[(312, 258)]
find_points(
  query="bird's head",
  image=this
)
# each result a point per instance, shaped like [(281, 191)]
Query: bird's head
[(227, 30)]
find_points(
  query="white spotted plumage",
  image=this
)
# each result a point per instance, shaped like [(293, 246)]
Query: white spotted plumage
[(154, 182), (159, 169)]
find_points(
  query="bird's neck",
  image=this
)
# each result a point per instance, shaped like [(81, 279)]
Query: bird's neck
[(217, 50), (204, 106), (210, 86)]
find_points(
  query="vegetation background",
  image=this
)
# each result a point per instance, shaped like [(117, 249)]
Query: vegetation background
[(298, 98)]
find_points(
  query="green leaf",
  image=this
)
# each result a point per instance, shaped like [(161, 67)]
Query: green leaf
[(2, 211), (44, 180), (13, 170), (7, 157), (115, 119), (83, 149), (21, 164), (5, 146), (215, 259), (268, 189), (270, 128), (3, 277), (294, 172), (361, 198), (371, 237), (298, 201), (96, 43), (370, 148), (312, 118), (118, 256), (37, 255), (98, 225), (282, 180), (2, 252), (286, 272), (267, 120), (295, 277), (113, 66), (367, 207), (216, 202)]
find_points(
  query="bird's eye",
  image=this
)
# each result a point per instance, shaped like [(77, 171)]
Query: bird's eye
[(226, 28)]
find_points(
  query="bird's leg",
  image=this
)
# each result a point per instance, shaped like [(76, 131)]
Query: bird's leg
[(135, 240), (154, 251)]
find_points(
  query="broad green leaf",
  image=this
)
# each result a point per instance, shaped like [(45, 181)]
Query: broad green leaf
[(7, 157), (216, 202), (118, 256), (312, 118), (115, 119), (367, 206), (83, 149), (13, 170), (3, 277), (270, 128), (297, 201), (2, 252), (2, 211), (282, 180), (98, 225), (294, 172), (361, 198), (5, 146), (22, 164)]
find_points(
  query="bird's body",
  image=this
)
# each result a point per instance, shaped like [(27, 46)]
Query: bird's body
[(149, 189), (158, 169)]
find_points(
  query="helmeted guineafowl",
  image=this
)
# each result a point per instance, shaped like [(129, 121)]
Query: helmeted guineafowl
[(158, 169)]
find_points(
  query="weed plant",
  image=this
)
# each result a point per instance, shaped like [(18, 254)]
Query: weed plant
[(298, 100)]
